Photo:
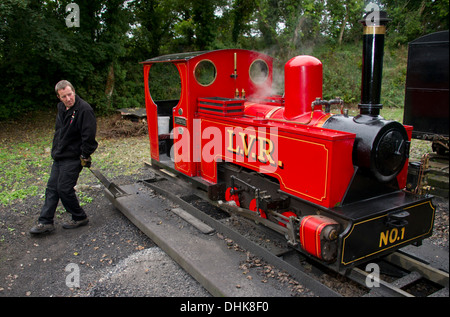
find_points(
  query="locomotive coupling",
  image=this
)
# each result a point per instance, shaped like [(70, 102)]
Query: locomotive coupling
[(397, 219)]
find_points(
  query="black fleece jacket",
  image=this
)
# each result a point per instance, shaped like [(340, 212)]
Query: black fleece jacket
[(75, 131)]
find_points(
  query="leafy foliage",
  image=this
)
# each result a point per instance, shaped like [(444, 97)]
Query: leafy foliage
[(101, 57)]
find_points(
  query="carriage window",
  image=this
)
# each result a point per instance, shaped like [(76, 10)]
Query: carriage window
[(259, 71), (205, 72), (164, 82)]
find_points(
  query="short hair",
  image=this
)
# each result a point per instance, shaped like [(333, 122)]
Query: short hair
[(62, 84)]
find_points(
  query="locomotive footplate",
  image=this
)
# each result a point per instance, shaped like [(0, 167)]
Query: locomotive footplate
[(375, 230)]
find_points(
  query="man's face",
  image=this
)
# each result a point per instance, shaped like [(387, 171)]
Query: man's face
[(67, 96)]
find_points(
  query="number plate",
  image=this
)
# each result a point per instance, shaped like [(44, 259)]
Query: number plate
[(370, 237)]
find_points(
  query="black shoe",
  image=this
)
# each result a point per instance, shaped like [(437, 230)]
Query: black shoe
[(42, 228), (72, 224)]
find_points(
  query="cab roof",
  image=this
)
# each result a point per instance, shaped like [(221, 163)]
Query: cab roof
[(174, 57)]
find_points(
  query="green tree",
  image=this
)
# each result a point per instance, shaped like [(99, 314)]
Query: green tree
[(154, 21), (195, 25), (101, 57), (30, 53), (268, 17), (412, 19), (302, 19), (342, 20), (38, 49), (204, 21), (241, 14)]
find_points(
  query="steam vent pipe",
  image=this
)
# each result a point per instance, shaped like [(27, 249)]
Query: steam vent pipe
[(372, 70)]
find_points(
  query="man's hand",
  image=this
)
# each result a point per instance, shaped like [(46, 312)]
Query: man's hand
[(85, 161)]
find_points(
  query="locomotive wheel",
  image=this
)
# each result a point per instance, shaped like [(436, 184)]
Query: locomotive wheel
[(287, 214), (261, 212), (230, 197)]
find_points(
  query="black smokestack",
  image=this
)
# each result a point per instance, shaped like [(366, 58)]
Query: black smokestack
[(372, 70)]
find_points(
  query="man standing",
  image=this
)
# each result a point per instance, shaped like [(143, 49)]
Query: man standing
[(73, 143)]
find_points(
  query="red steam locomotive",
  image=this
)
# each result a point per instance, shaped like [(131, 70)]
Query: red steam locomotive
[(333, 184)]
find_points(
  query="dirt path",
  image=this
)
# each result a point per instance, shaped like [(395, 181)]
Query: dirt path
[(35, 265)]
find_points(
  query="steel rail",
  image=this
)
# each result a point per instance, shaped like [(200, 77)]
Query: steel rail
[(418, 269), (306, 280)]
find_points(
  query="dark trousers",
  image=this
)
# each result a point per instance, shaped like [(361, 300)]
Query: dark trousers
[(63, 178)]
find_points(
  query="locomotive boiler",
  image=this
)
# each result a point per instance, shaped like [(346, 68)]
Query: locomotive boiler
[(332, 184)]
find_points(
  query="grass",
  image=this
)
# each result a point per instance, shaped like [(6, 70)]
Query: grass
[(119, 157), (24, 169), (418, 147)]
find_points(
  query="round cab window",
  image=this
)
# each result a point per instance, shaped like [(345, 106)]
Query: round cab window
[(205, 72), (259, 71)]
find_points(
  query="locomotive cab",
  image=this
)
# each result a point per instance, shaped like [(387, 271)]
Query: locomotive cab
[(212, 82)]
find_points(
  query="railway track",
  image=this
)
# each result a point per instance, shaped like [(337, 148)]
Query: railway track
[(412, 276)]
